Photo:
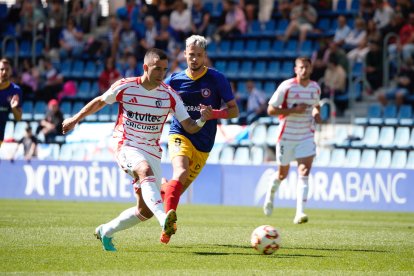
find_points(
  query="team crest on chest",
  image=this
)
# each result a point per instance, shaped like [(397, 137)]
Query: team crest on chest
[(205, 92), (158, 103)]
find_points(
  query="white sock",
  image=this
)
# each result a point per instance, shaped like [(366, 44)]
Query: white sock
[(301, 193), (152, 197), (272, 188), (125, 220)]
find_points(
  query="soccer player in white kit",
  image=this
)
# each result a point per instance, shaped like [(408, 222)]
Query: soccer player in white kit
[(296, 102), (144, 104)]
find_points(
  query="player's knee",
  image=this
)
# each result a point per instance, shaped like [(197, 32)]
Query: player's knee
[(145, 212), (143, 170), (181, 174)]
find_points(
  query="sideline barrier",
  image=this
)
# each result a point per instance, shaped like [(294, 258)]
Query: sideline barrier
[(331, 188)]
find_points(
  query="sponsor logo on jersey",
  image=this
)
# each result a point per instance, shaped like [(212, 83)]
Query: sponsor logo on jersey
[(144, 117), (133, 100), (138, 126)]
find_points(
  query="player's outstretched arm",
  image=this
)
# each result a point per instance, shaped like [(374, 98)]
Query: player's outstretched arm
[(231, 111), (92, 107), (193, 126)]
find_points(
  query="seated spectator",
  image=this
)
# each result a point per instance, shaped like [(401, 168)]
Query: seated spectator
[(404, 86), (405, 46), (55, 22), (284, 7), (250, 8), (71, 40), (29, 142), (240, 99), (233, 21), (374, 65), (358, 54), (366, 10), (132, 69), (125, 39), (51, 83), (51, 125), (29, 79), (334, 80), (109, 75), (200, 18), (302, 19), (383, 14), (165, 37), (256, 103), (149, 36), (30, 17), (180, 21), (356, 36), (341, 31)]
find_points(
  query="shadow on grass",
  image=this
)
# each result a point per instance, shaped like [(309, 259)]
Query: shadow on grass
[(337, 249), (275, 255)]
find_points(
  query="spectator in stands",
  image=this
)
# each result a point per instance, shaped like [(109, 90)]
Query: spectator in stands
[(250, 8), (356, 36), (383, 14), (55, 22), (51, 125), (180, 21), (29, 142), (342, 31), (404, 7), (29, 79), (404, 86), (90, 15), (132, 69), (233, 21), (200, 18), (256, 102), (109, 75), (10, 97), (30, 17), (405, 45), (149, 36), (358, 54), (51, 82), (284, 7), (397, 22), (240, 100), (374, 65), (165, 37), (366, 10), (126, 39), (334, 82), (302, 19), (71, 40)]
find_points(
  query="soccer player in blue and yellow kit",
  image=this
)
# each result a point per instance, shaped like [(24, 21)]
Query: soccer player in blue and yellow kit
[(10, 97), (197, 85)]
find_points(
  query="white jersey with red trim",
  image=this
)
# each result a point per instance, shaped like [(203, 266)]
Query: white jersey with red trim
[(296, 128), (142, 113)]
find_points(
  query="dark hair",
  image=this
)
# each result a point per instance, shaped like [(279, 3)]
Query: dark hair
[(154, 53), (5, 61), (304, 59)]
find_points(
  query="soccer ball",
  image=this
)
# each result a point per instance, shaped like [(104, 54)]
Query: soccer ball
[(265, 239)]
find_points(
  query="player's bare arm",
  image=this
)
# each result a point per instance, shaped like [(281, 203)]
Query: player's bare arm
[(92, 107), (192, 126), (17, 111), (316, 114), (295, 109)]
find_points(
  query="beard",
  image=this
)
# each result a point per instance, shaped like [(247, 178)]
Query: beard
[(195, 67)]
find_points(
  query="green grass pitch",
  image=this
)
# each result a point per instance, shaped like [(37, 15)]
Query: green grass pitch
[(49, 237)]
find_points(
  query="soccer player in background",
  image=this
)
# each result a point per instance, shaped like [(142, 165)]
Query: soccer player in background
[(296, 102), (196, 85), (10, 97), (145, 103)]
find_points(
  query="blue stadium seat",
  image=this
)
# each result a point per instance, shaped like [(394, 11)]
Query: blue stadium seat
[(352, 158), (324, 24), (232, 69), (383, 160), (66, 108), (209, 6), (25, 49), (410, 160), (374, 112), (39, 110), (277, 49), (286, 70), (104, 114), (269, 88), (90, 70), (263, 49), (39, 47), (77, 69), (306, 49), (221, 65), (368, 158), (227, 155), (390, 115), (66, 68), (10, 49), (290, 49), (322, 158), (259, 69), (386, 137), (27, 109), (337, 158), (237, 48), (84, 90), (370, 139), (251, 48), (211, 49), (223, 49), (273, 70), (245, 69), (402, 138), (242, 156), (254, 29), (281, 26), (405, 115), (257, 155), (398, 159), (269, 28)]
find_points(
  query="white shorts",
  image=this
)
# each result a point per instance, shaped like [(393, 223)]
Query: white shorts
[(128, 159), (288, 152)]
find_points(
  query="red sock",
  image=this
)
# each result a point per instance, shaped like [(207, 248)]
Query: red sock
[(172, 193), (163, 188)]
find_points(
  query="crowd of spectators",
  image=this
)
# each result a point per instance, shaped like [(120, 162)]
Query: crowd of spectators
[(76, 29)]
